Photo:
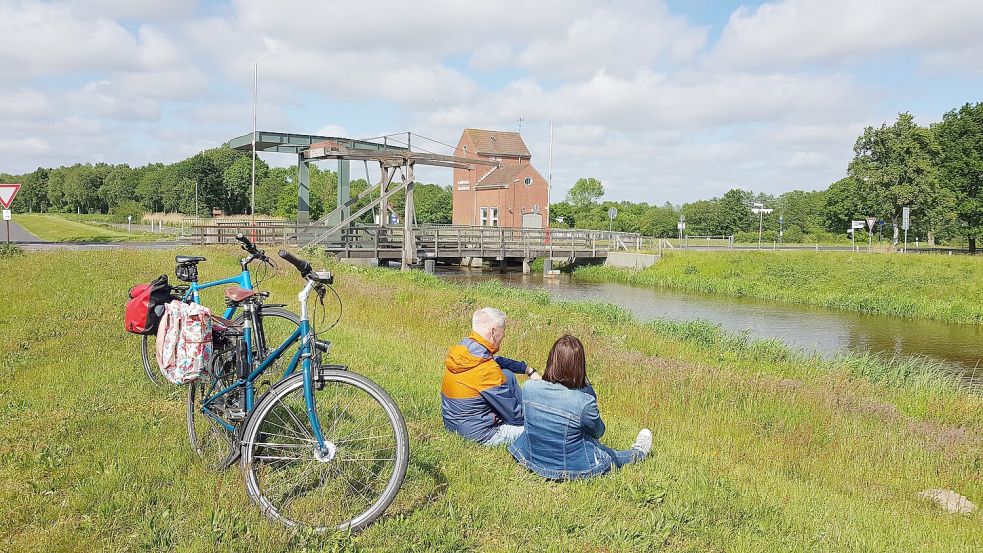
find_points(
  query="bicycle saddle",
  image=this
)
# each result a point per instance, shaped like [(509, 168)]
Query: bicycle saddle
[(181, 259), (238, 293)]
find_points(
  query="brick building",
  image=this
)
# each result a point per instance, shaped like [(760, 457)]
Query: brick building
[(513, 195)]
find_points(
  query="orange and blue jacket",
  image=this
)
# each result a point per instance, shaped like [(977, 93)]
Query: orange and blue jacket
[(479, 392)]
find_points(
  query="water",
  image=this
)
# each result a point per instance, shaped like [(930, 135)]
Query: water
[(804, 327)]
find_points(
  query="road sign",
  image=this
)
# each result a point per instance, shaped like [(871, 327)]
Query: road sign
[(870, 222), (856, 224), (905, 218), (764, 210), (612, 212), (6, 215), (7, 194), (680, 226)]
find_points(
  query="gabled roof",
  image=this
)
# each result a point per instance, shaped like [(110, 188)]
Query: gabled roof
[(501, 177), (497, 143)]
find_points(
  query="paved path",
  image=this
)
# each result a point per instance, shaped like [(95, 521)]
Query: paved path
[(17, 233)]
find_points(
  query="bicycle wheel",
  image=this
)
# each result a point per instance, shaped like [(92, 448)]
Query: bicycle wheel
[(348, 485), (149, 351), (277, 326), (207, 433)]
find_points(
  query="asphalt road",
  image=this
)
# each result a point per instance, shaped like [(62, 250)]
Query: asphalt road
[(17, 233)]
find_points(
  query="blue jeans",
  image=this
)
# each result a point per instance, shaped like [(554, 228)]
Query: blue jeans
[(620, 458), (504, 435)]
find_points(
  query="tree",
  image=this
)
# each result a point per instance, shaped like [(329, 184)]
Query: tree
[(894, 168), (960, 136), (562, 215), (117, 187), (585, 192), (434, 204), (734, 212), (659, 221)]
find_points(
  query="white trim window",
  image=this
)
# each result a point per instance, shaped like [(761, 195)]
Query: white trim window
[(489, 217), (484, 217)]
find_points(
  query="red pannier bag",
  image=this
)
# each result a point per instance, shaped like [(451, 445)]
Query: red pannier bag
[(146, 306)]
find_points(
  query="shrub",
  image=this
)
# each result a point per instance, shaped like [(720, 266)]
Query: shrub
[(10, 250), (128, 208)]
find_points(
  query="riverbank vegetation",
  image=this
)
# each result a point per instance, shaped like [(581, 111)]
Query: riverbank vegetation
[(756, 447), (944, 288)]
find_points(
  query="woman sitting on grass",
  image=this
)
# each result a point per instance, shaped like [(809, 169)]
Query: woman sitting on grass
[(563, 424)]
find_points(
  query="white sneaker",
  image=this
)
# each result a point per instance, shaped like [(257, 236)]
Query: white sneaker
[(643, 442)]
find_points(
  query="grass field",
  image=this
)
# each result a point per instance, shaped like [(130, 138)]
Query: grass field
[(945, 288), (55, 228), (756, 448)]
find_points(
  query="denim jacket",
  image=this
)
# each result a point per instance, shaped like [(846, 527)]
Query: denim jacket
[(562, 428)]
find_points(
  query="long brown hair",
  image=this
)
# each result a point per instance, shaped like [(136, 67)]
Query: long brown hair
[(567, 363)]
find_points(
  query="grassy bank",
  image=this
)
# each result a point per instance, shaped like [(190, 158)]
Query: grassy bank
[(945, 288), (756, 447), (56, 228)]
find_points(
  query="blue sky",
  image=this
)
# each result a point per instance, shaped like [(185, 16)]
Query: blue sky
[(663, 101)]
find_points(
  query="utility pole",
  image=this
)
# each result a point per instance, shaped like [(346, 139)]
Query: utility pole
[(252, 209), (549, 177)]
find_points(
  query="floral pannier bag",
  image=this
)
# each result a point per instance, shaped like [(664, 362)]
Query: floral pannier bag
[(184, 341)]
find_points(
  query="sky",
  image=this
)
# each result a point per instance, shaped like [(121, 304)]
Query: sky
[(661, 100)]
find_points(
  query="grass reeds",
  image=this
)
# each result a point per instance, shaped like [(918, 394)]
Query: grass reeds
[(757, 447)]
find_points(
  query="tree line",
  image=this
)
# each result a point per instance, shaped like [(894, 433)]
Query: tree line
[(936, 171), (215, 179)]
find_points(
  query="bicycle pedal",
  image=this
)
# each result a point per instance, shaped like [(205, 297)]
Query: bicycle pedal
[(235, 414)]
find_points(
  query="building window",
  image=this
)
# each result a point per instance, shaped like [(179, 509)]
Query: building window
[(489, 217)]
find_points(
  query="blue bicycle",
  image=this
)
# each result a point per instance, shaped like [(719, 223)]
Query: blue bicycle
[(270, 322), (324, 448)]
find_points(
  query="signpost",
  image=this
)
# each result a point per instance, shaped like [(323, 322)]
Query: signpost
[(612, 213), (7, 194), (781, 228), (681, 226), (854, 225), (871, 221), (905, 223), (760, 210)]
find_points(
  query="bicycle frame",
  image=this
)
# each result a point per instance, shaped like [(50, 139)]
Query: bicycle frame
[(303, 355), (243, 280)]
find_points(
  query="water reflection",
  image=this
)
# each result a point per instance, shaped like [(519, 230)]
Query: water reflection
[(804, 327)]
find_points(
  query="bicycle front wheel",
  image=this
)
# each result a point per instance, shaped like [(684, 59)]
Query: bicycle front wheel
[(346, 485)]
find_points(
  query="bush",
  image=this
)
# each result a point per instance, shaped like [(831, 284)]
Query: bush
[(10, 250), (128, 208)]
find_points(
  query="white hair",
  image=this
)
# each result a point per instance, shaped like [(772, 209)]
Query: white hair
[(486, 319)]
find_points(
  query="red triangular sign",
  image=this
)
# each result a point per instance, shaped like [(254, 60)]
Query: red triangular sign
[(7, 194)]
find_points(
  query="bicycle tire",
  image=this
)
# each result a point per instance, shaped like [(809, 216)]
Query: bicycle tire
[(208, 438), (330, 474), (149, 354)]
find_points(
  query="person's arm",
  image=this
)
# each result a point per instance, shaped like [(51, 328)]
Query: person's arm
[(590, 419), (506, 400), (511, 365)]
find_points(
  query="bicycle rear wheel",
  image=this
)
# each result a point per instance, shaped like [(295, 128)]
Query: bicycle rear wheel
[(346, 486), (149, 351)]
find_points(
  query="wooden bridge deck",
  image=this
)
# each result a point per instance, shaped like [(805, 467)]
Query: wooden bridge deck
[(438, 242)]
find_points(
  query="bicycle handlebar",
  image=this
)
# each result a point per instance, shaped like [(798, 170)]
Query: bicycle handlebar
[(303, 266), (246, 244)]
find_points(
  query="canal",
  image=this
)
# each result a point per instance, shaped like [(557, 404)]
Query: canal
[(804, 327)]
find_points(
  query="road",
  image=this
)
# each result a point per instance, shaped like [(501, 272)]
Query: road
[(18, 234)]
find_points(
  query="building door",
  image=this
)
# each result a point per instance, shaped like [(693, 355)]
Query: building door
[(532, 220)]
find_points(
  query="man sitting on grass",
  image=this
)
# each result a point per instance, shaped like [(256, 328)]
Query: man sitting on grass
[(480, 398)]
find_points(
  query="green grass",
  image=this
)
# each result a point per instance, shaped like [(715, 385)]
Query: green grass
[(57, 228), (945, 288), (757, 448)]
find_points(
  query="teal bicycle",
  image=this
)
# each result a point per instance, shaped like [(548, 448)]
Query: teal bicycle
[(270, 324), (324, 448)]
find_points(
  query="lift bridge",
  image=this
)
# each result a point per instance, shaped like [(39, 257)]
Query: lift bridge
[(341, 233)]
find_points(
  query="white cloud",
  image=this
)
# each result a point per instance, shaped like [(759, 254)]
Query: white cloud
[(796, 32)]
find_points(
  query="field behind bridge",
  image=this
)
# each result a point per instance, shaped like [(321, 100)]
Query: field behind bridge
[(756, 448)]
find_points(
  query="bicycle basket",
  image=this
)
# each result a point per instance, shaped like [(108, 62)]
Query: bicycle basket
[(187, 272)]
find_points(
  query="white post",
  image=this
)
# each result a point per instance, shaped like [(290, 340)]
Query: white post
[(252, 208)]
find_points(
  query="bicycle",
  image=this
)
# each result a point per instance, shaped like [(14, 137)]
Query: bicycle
[(324, 448), (271, 318)]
